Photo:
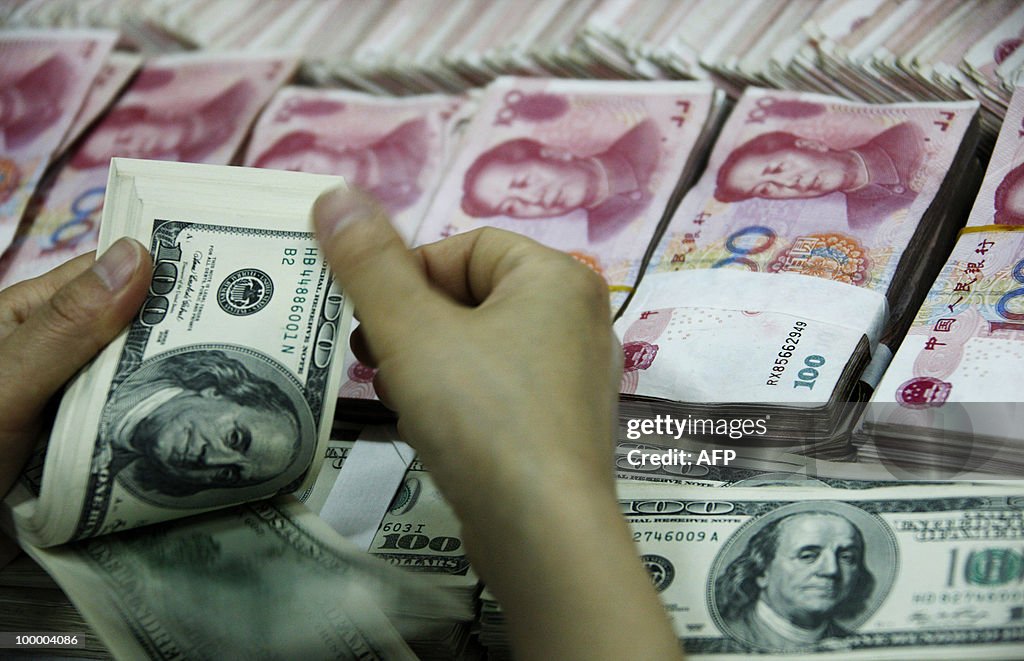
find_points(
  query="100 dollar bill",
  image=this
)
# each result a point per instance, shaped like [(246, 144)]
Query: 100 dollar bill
[(900, 572)]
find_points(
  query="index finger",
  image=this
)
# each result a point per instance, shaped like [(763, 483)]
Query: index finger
[(374, 267)]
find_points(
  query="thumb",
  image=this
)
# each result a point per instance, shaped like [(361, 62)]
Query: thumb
[(373, 266), (63, 333)]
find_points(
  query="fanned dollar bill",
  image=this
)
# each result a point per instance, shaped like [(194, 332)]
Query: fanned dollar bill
[(266, 578), (222, 390)]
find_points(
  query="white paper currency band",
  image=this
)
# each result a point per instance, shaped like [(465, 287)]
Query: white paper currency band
[(365, 487), (807, 297), (881, 356)]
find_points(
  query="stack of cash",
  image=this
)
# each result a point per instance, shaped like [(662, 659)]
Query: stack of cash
[(202, 403), (131, 443), (770, 303), (419, 533), (794, 261), (949, 399), (872, 50), (593, 169)]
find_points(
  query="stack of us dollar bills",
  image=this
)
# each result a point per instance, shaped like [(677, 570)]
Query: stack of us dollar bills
[(161, 495)]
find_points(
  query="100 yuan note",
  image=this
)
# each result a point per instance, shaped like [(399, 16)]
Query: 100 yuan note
[(393, 148), (44, 78), (798, 185), (894, 573), (965, 345), (194, 108), (222, 390), (815, 185), (112, 77), (581, 166)]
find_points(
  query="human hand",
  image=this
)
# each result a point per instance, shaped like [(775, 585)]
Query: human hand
[(50, 327), (496, 353), (498, 356)]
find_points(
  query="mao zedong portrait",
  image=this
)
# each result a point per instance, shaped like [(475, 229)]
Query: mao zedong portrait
[(797, 576), (33, 101), (527, 179), (165, 133), (877, 177), (202, 420), (389, 168)]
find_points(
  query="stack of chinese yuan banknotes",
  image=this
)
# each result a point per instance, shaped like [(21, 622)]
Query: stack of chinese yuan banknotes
[(882, 51), (792, 266), (950, 400)]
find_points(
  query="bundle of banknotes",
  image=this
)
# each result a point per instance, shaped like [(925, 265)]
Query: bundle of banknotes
[(871, 50), (950, 397), (593, 169), (418, 533), (795, 261)]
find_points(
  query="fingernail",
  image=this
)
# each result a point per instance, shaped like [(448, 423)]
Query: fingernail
[(338, 208), (116, 266)]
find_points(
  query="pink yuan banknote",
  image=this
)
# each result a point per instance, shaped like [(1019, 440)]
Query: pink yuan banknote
[(967, 341), (44, 78), (1001, 198), (113, 76), (813, 184), (587, 167), (394, 148), (195, 108)]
